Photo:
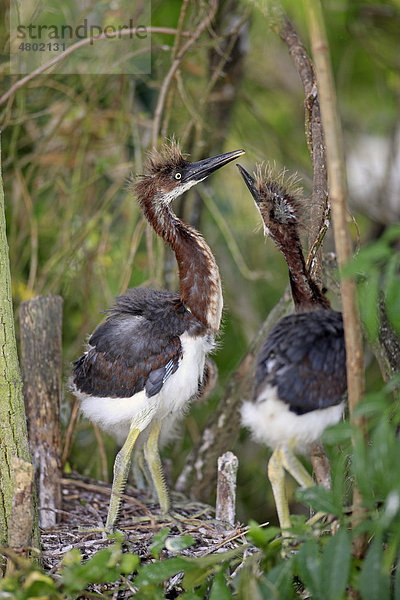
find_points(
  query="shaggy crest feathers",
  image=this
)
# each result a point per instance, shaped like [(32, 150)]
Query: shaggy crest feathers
[(280, 192), (168, 158), (279, 202), (158, 168)]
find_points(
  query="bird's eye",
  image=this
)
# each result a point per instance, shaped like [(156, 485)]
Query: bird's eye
[(178, 176)]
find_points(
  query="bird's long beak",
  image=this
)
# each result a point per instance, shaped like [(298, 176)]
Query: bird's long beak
[(250, 182), (197, 171)]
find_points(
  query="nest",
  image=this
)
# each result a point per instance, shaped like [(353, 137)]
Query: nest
[(85, 505)]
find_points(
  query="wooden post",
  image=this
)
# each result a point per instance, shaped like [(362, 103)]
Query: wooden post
[(226, 488), (41, 363), (21, 522)]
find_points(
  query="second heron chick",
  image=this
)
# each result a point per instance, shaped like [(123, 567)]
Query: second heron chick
[(300, 380)]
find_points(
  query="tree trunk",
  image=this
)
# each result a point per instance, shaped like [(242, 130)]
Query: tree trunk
[(13, 430)]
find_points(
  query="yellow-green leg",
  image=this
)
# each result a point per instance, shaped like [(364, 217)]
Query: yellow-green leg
[(292, 465), (121, 470), (276, 475), (301, 475), (152, 457), (139, 470)]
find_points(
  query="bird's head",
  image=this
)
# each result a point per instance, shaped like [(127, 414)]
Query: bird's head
[(169, 174), (277, 199)]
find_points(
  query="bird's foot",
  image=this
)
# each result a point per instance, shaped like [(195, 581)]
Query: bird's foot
[(162, 519), (171, 517), (105, 531), (289, 546), (315, 518)]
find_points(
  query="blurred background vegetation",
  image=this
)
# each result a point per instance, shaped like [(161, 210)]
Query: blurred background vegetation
[(70, 143)]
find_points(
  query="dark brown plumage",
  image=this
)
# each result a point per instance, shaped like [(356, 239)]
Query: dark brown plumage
[(278, 200), (146, 361), (300, 380)]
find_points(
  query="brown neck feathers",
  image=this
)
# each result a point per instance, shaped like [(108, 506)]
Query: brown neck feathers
[(200, 284), (305, 292)]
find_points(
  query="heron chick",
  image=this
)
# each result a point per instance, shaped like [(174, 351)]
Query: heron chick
[(145, 362), (300, 380)]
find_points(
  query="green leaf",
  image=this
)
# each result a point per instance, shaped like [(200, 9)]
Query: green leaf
[(374, 582), (73, 557), (150, 592), (392, 291), (159, 571), (368, 258), (308, 563), (337, 434), (335, 565), (158, 542), (253, 589), (219, 588), (391, 234), (128, 563), (191, 595), (101, 568), (397, 582), (178, 543), (262, 536), (38, 585), (217, 557), (319, 499), (368, 293), (196, 576), (279, 581)]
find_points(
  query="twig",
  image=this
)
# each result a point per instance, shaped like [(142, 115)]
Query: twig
[(69, 434), (179, 28), (230, 240), (135, 241), (33, 227), (319, 239), (320, 213), (21, 82), (102, 451), (175, 65), (338, 191), (234, 537), (173, 56), (106, 491)]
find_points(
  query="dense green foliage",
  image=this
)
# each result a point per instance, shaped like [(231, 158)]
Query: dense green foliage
[(70, 144), (323, 563)]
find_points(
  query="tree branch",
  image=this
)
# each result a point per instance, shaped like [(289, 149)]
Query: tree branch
[(338, 194), (319, 210), (21, 82), (175, 65)]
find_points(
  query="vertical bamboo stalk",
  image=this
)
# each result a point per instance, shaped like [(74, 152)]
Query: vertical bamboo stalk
[(338, 195), (41, 320)]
